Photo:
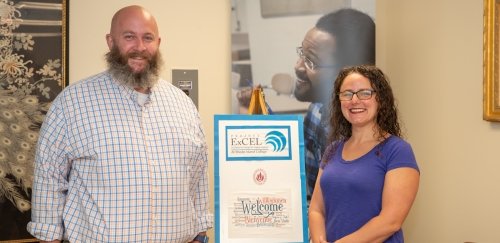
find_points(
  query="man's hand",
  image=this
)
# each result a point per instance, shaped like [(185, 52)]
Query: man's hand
[(244, 95)]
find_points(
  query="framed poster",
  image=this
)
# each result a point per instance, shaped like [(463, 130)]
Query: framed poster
[(260, 193), (33, 58)]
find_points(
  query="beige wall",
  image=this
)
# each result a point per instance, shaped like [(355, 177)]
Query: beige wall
[(432, 52)]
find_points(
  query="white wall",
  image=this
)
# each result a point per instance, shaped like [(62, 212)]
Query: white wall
[(432, 52)]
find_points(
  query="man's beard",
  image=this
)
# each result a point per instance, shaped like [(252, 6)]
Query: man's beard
[(120, 70)]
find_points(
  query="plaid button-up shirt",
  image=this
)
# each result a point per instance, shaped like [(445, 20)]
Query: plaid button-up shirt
[(315, 139), (110, 169)]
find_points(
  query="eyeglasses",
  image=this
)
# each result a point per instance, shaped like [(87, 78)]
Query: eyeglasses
[(362, 94), (308, 63)]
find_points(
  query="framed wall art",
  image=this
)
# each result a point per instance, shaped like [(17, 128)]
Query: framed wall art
[(33, 71), (491, 64)]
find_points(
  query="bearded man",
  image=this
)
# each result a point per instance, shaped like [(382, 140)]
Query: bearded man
[(122, 155)]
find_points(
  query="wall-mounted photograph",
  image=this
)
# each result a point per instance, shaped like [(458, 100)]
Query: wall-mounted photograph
[(270, 47), (33, 63)]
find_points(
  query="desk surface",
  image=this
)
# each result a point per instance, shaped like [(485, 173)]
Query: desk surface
[(284, 104)]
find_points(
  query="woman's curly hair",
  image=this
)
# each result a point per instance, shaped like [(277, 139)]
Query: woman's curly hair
[(387, 115)]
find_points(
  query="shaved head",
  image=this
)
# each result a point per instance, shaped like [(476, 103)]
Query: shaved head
[(133, 41), (131, 11)]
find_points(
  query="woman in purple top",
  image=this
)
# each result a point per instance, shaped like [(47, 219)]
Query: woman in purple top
[(369, 176)]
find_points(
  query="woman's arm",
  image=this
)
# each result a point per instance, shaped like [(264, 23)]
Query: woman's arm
[(317, 213), (400, 190)]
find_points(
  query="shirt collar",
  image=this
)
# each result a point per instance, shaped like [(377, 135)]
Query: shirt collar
[(129, 92)]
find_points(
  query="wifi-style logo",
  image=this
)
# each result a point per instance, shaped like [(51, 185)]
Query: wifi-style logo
[(277, 140)]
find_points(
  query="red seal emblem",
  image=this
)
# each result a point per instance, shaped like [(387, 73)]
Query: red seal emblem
[(259, 176)]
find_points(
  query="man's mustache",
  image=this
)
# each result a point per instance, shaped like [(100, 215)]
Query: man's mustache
[(136, 54)]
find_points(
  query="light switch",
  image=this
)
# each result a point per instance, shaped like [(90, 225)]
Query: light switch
[(187, 81)]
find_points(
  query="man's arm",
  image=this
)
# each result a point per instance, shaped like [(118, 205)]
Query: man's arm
[(50, 178), (199, 188)]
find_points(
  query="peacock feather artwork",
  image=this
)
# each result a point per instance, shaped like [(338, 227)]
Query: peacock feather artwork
[(26, 91)]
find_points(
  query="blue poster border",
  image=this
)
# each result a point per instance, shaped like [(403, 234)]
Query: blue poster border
[(299, 120)]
